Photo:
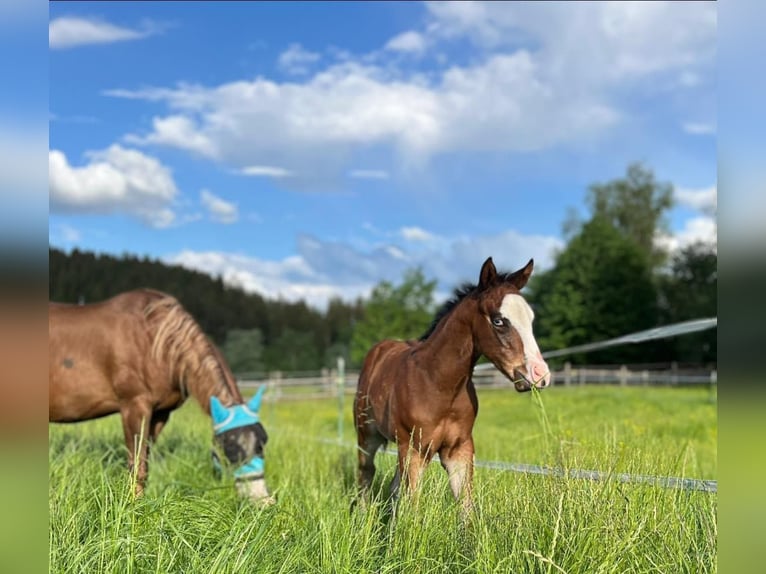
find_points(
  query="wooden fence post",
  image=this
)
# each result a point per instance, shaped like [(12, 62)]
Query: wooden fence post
[(567, 373), (274, 387)]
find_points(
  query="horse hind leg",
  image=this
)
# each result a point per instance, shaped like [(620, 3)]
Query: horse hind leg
[(369, 441)]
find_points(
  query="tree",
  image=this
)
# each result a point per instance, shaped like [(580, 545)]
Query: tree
[(690, 291), (243, 349), (293, 351), (635, 205), (402, 312), (218, 308), (601, 287)]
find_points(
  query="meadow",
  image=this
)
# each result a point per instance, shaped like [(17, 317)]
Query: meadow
[(188, 521)]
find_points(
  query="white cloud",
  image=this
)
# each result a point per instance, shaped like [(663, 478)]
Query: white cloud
[(704, 199), (64, 234), (545, 76), (69, 32), (410, 42), (698, 128), (220, 210), (702, 229), (265, 171), (323, 269), (176, 131), (289, 279), (610, 39), (296, 60), (368, 174), (312, 128), (114, 180), (415, 234)]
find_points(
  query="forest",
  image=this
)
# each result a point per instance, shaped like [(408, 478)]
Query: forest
[(611, 278)]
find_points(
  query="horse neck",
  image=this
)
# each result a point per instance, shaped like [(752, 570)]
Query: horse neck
[(451, 350), (211, 378)]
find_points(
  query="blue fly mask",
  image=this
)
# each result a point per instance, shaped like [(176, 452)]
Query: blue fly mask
[(240, 437)]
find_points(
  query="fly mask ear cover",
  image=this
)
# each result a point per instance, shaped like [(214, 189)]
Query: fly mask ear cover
[(240, 434)]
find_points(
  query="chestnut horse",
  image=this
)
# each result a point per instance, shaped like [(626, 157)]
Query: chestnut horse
[(420, 393), (141, 354)]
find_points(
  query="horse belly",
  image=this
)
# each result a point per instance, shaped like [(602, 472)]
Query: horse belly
[(79, 392)]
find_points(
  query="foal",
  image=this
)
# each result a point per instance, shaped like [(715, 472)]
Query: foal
[(420, 393)]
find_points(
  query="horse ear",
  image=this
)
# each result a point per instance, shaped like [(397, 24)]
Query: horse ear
[(519, 278), (488, 273), (255, 403), (218, 412)]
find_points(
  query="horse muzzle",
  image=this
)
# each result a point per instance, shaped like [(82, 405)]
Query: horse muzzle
[(254, 489), (534, 373)]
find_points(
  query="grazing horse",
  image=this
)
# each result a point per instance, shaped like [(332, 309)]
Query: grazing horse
[(141, 354), (420, 393)]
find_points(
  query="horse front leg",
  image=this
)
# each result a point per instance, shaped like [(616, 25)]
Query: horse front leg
[(458, 460), (411, 465), (159, 419), (137, 426)]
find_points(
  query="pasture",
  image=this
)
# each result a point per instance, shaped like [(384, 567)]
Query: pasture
[(188, 521)]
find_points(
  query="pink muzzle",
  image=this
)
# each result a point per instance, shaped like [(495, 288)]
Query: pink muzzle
[(538, 371)]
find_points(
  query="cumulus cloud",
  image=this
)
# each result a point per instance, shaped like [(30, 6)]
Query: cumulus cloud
[(489, 107), (545, 76), (596, 40), (323, 269), (265, 171), (220, 210), (290, 279), (64, 234), (296, 60), (71, 31), (115, 180), (415, 234), (704, 199), (410, 42), (700, 229), (177, 131)]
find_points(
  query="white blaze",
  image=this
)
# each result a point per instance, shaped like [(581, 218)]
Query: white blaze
[(520, 315)]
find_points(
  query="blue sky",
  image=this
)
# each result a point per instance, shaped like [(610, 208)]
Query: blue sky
[(311, 150)]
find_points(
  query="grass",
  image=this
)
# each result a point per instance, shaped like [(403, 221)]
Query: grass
[(190, 522)]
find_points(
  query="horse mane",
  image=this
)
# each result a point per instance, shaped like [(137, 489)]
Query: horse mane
[(181, 344), (460, 293)]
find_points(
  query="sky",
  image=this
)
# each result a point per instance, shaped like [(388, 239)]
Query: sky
[(312, 150)]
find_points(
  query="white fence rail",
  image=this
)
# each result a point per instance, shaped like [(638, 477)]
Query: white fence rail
[(325, 384)]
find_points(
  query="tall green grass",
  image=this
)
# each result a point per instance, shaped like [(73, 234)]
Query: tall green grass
[(190, 522)]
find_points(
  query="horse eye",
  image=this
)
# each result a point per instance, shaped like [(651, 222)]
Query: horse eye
[(498, 322)]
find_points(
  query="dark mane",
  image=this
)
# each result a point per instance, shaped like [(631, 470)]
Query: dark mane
[(457, 296), (461, 293)]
